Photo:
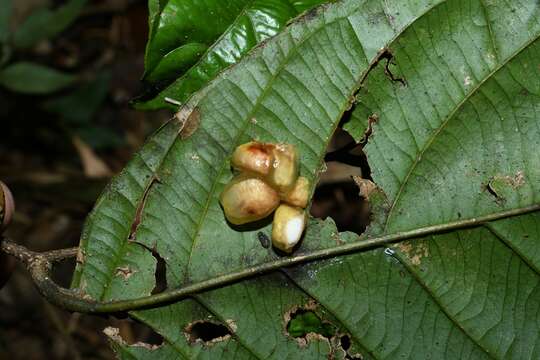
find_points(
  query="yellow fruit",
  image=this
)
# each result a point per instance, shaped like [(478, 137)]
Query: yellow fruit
[(299, 195), (246, 199), (253, 157), (284, 170)]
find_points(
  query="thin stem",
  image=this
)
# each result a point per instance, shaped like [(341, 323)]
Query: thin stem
[(40, 264)]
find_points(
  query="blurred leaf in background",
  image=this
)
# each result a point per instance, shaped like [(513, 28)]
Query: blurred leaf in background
[(41, 24), (32, 78), (77, 110), (45, 23), (5, 15)]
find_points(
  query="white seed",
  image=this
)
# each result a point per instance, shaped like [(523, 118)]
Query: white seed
[(288, 227)]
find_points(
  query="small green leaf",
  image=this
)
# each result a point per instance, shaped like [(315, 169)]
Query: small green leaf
[(31, 78), (176, 62), (44, 23)]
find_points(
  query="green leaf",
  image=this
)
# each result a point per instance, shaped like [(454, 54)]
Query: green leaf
[(456, 139), (206, 39), (181, 22), (45, 24), (175, 62), (5, 16), (30, 78)]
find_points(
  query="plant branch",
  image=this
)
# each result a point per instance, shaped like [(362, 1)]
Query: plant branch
[(40, 264)]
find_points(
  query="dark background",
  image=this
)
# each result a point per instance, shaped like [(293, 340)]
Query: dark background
[(57, 162)]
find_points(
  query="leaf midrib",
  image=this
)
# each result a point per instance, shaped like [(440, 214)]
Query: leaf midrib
[(363, 244), (450, 116)]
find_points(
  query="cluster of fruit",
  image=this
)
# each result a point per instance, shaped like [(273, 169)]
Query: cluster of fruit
[(268, 181)]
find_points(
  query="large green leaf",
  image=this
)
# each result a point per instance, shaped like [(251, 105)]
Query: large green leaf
[(456, 139), (192, 41)]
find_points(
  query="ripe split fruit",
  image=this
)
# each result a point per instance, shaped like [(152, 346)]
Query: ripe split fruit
[(268, 180)]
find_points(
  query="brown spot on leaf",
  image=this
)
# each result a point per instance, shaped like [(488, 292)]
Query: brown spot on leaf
[(124, 271), (516, 181), (337, 238), (365, 187), (140, 209), (81, 257), (372, 120), (190, 119), (500, 185), (416, 253), (232, 325), (114, 334)]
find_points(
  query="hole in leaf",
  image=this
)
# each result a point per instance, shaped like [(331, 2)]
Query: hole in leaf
[(492, 191), (336, 194), (391, 64), (62, 270), (207, 331), (133, 333), (304, 322), (345, 342), (160, 274)]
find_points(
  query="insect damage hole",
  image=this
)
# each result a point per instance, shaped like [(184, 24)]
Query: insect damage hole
[(207, 332), (160, 274), (303, 322), (128, 332), (336, 195), (62, 270), (345, 342)]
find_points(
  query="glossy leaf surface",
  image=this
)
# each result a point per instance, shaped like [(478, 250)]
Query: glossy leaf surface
[(192, 41)]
